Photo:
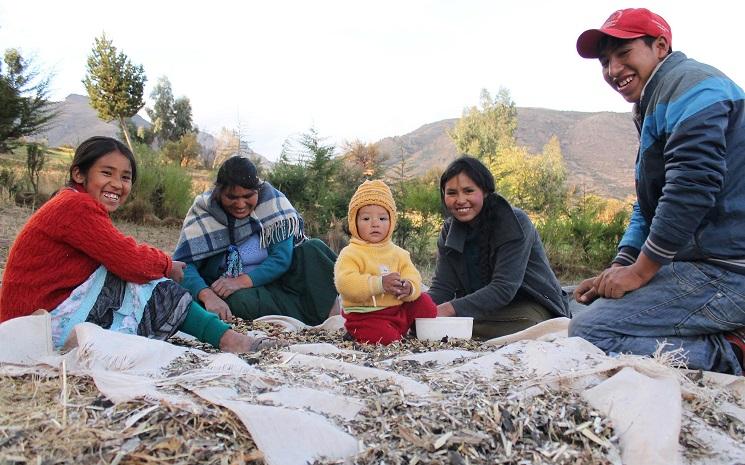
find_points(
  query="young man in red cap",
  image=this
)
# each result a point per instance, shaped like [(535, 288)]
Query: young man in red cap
[(679, 275)]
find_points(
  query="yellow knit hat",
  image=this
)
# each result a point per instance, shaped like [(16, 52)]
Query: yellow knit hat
[(374, 192)]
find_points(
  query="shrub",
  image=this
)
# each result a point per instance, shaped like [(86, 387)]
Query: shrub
[(35, 158), (164, 190), (10, 183), (177, 192), (581, 241), (417, 233)]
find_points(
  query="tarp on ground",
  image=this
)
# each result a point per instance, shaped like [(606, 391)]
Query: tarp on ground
[(301, 396)]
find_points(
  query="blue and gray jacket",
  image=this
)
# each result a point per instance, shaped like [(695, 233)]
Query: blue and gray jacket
[(690, 169)]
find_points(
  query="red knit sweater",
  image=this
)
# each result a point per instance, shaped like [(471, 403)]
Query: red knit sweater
[(61, 245)]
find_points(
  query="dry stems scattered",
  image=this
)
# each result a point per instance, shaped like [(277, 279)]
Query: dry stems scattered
[(472, 421)]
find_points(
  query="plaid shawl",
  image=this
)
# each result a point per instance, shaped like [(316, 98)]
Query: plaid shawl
[(205, 230)]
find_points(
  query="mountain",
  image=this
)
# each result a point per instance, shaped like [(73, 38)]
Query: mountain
[(78, 121), (599, 148)]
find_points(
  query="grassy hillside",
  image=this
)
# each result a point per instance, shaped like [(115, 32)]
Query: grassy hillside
[(599, 148)]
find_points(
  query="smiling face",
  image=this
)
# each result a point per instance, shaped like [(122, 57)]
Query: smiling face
[(463, 198), (238, 201), (628, 67), (373, 223), (108, 180)]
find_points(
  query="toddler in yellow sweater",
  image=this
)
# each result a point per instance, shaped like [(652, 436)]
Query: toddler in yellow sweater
[(380, 287)]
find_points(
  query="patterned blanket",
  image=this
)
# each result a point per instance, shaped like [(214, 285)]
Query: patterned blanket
[(205, 231)]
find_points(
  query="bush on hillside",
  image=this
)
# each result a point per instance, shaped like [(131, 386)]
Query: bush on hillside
[(10, 183), (162, 190), (419, 218), (36, 155), (417, 233), (581, 241)]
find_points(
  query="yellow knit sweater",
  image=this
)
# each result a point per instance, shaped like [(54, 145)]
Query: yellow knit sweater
[(359, 270)]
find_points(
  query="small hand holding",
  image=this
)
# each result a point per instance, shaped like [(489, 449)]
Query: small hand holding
[(405, 289), (392, 283)]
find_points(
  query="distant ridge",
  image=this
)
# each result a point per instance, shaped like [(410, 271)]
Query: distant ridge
[(599, 148), (79, 121)]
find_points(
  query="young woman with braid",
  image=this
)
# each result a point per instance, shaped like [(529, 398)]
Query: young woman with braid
[(491, 264)]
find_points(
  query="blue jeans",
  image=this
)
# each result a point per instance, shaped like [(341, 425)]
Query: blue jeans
[(687, 305)]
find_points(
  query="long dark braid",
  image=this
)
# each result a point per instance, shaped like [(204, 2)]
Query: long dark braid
[(487, 223), (487, 220)]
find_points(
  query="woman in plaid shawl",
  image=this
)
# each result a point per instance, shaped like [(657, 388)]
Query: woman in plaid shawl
[(247, 255)]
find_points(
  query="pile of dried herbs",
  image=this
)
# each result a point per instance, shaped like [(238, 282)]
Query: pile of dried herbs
[(470, 420)]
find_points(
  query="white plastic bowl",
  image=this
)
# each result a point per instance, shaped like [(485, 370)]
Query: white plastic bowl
[(434, 329)]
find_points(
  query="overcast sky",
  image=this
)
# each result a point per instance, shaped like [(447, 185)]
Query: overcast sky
[(353, 69)]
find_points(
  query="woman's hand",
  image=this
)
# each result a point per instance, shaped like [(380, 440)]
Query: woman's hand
[(445, 309), (213, 303), (177, 270), (225, 286)]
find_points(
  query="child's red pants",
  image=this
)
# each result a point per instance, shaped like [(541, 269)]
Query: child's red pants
[(389, 324)]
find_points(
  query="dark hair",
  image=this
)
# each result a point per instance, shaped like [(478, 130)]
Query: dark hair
[(486, 221), (96, 147), (610, 43), (237, 171), (473, 168)]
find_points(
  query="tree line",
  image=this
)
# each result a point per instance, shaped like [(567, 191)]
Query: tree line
[(579, 230)]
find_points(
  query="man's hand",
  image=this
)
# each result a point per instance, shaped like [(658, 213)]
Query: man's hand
[(616, 281), (213, 303), (225, 286), (585, 292)]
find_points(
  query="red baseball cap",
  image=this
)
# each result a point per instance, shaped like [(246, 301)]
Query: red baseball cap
[(630, 23)]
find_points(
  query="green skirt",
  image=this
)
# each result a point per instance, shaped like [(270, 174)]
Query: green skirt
[(305, 292)]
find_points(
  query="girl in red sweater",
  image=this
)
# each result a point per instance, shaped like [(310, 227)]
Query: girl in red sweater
[(70, 259)]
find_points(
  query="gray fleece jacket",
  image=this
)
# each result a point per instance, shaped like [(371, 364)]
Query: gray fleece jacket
[(520, 265)]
